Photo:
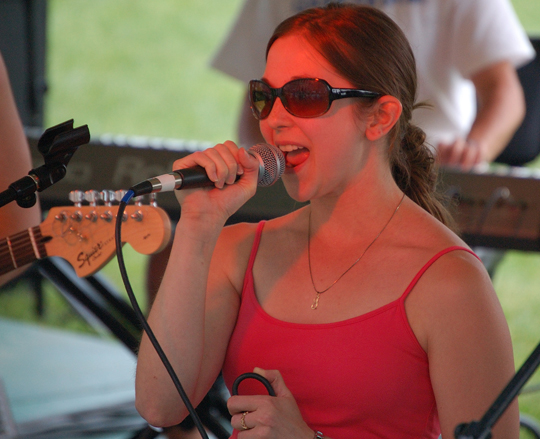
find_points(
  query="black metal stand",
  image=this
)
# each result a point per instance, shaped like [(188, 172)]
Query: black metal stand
[(91, 295)]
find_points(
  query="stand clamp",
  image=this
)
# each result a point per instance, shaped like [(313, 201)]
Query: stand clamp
[(57, 145)]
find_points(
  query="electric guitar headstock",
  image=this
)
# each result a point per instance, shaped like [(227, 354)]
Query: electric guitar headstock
[(84, 235)]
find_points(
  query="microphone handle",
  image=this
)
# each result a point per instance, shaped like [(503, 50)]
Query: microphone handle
[(187, 178), (194, 177)]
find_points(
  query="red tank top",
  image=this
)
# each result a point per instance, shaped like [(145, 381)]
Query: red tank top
[(365, 377)]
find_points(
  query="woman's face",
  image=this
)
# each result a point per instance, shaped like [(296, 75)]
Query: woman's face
[(324, 154)]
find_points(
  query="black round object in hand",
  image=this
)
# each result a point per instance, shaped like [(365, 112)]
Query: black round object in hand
[(254, 376)]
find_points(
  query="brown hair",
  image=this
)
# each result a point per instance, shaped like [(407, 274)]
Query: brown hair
[(368, 49)]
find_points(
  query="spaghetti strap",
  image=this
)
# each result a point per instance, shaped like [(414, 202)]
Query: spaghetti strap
[(255, 247), (429, 263)]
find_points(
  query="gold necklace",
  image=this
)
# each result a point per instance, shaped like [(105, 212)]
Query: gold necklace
[(315, 303)]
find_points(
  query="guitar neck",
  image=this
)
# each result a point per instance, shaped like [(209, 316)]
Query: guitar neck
[(21, 249)]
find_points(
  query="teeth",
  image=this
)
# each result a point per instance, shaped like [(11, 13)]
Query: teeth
[(289, 148)]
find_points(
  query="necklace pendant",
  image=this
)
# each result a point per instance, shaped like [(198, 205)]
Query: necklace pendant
[(315, 303)]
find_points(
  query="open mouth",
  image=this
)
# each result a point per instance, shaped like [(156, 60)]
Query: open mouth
[(294, 155)]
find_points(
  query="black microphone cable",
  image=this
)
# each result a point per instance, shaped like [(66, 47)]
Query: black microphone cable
[(142, 319)]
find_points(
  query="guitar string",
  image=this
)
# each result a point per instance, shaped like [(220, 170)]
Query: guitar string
[(21, 247)]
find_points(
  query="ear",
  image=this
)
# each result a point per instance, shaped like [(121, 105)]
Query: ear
[(384, 116)]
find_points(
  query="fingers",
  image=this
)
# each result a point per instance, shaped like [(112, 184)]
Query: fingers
[(241, 421), (240, 404), (464, 154), (268, 416), (276, 380), (242, 410), (223, 163), (223, 167)]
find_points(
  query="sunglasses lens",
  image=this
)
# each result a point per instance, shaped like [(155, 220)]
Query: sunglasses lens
[(306, 97), (261, 99), (301, 98)]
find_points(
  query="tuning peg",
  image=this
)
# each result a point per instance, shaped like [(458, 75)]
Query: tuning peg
[(138, 200), (76, 197), (62, 217), (107, 216), (92, 197), (108, 196), (137, 216), (119, 194)]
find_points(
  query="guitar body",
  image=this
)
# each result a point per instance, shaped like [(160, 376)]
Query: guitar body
[(85, 236)]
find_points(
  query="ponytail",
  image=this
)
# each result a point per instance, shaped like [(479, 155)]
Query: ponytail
[(415, 172)]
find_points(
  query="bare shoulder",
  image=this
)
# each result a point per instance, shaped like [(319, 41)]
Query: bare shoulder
[(454, 286), (238, 235), (454, 276), (454, 297), (232, 251), (456, 317), (457, 273), (236, 242)]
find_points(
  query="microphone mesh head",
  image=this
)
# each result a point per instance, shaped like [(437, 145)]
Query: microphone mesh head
[(272, 163)]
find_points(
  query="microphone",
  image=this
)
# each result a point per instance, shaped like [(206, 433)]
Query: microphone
[(271, 167)]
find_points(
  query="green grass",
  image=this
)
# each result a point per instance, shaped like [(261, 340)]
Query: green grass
[(528, 12), (142, 68)]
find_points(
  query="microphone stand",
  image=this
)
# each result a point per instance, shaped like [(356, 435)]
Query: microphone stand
[(482, 429), (57, 145)]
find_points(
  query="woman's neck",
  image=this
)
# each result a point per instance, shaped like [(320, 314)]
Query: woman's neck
[(364, 204)]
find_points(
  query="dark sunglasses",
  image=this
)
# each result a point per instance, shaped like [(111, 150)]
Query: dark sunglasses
[(305, 97)]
